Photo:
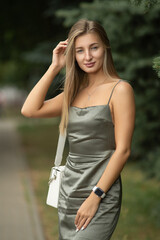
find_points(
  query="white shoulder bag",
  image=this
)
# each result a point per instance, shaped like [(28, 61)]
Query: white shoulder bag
[(56, 174)]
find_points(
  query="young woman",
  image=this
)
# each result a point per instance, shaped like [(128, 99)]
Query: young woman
[(97, 108)]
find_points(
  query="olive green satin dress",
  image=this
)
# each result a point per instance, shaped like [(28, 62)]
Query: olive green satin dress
[(91, 140)]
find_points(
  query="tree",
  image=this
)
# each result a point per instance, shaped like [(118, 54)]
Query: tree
[(148, 5), (22, 25)]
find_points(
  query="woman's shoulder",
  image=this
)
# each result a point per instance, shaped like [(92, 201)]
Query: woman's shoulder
[(123, 91), (123, 87)]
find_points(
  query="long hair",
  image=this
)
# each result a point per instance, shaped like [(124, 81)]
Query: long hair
[(75, 77)]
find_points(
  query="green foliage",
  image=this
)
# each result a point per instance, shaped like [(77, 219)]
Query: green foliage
[(40, 54), (147, 4), (14, 72), (156, 65), (133, 30), (24, 25), (152, 162)]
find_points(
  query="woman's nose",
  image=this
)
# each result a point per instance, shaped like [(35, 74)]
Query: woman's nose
[(88, 55)]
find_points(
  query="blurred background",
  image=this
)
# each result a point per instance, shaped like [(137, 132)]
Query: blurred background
[(29, 31)]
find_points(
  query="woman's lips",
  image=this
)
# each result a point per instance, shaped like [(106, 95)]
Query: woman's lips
[(89, 65)]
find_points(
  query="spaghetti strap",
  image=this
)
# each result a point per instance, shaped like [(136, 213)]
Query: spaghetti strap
[(113, 90)]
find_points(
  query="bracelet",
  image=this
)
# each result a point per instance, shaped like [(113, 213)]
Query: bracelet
[(99, 192)]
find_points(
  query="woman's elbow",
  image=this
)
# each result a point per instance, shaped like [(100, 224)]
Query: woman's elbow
[(124, 153), (26, 113), (127, 152)]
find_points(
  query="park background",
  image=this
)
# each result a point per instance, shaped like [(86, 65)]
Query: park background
[(29, 32)]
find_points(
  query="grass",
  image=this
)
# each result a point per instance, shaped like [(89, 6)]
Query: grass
[(139, 219)]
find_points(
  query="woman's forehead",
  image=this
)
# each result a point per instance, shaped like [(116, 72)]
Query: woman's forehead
[(87, 39)]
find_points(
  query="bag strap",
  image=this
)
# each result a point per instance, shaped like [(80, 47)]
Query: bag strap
[(60, 149)]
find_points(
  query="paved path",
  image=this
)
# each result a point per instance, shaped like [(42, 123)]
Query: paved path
[(19, 218)]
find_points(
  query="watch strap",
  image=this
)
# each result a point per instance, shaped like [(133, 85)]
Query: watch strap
[(99, 192)]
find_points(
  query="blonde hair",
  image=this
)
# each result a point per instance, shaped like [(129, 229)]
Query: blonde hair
[(75, 77)]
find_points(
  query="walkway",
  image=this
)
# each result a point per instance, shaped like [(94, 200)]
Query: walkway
[(19, 218)]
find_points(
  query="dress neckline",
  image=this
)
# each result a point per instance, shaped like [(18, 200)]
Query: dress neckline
[(101, 105)]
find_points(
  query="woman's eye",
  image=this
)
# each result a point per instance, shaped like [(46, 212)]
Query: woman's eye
[(79, 51), (94, 48)]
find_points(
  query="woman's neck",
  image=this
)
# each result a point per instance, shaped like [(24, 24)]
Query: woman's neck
[(96, 79), (91, 81)]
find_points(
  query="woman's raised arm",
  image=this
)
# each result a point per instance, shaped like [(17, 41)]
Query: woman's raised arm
[(35, 105)]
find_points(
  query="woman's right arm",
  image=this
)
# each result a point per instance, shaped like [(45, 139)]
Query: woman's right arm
[(35, 105)]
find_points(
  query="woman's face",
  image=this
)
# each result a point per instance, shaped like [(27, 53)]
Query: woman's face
[(89, 52)]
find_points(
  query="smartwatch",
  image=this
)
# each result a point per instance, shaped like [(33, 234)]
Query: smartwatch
[(99, 192)]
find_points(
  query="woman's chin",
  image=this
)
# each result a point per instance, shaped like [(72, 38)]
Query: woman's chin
[(92, 70)]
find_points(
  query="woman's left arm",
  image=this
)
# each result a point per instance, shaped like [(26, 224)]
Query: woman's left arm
[(123, 106), (124, 119)]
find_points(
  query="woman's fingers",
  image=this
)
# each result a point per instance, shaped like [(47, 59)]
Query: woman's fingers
[(58, 58), (63, 43), (60, 47), (82, 221), (77, 219), (86, 223)]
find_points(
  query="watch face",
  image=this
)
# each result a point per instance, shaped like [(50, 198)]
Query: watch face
[(98, 192)]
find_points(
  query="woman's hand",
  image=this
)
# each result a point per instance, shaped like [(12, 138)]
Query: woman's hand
[(87, 211), (58, 58)]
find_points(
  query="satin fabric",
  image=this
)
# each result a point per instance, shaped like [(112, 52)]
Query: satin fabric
[(91, 140)]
